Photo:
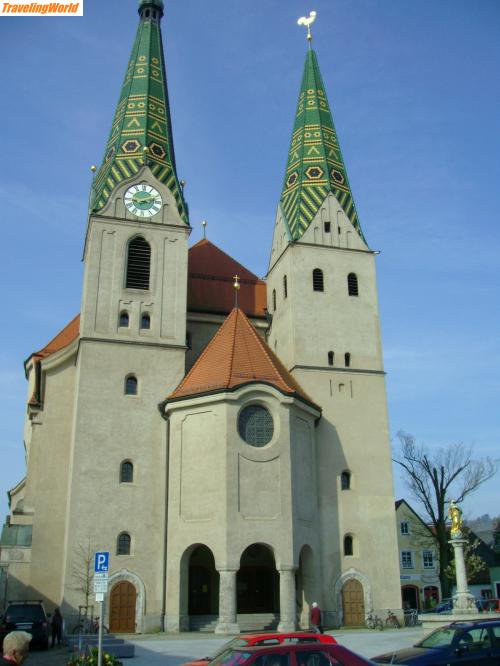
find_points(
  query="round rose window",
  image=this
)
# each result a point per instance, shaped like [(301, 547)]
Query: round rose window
[(255, 425)]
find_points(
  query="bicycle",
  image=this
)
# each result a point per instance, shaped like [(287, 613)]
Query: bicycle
[(411, 618), (373, 621), (392, 621), (86, 626)]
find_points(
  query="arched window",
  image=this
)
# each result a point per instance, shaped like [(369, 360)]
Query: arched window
[(347, 358), (131, 385), (285, 287), (352, 284), (138, 264), (331, 357), (123, 544), (126, 472), (274, 300), (327, 227), (124, 319), (145, 321), (318, 280), (348, 545), (345, 480)]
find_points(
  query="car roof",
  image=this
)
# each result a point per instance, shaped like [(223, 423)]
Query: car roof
[(274, 634), (472, 623), (286, 646)]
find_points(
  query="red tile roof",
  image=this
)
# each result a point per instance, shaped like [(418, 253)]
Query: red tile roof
[(62, 339), (210, 283), (236, 356)]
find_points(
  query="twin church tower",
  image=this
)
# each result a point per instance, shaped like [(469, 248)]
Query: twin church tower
[(235, 461)]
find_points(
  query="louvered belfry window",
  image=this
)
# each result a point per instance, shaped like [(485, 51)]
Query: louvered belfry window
[(138, 264), (318, 284)]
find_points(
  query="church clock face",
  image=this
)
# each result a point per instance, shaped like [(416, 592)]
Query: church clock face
[(143, 200)]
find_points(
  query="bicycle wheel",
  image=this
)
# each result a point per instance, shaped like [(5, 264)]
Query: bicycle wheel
[(379, 624), (78, 629)]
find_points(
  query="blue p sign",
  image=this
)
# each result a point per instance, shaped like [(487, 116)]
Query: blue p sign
[(101, 562)]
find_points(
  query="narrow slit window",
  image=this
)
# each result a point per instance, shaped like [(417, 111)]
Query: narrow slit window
[(124, 319), (138, 264), (123, 544), (285, 287), (352, 284), (131, 385), (345, 480), (318, 283), (327, 227), (274, 300), (145, 322), (126, 472), (331, 357), (347, 359), (348, 545)]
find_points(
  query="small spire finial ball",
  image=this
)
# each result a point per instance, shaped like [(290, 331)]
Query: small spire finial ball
[(145, 149), (93, 168)]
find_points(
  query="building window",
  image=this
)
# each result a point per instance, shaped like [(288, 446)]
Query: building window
[(331, 357), (189, 344), (348, 545), (318, 280), (131, 385), (428, 558), (285, 287), (352, 284), (345, 480), (145, 322), (407, 559), (404, 527), (138, 264), (123, 320), (347, 359), (327, 227), (123, 544), (274, 300), (126, 472), (255, 425)]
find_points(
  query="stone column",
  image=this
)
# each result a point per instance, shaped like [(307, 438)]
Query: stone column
[(464, 600), (288, 612), (227, 623)]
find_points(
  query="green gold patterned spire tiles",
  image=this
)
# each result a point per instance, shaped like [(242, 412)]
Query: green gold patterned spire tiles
[(142, 118), (315, 166)]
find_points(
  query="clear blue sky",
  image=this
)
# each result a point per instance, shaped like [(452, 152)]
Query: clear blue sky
[(415, 96)]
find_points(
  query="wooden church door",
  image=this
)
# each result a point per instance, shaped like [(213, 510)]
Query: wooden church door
[(353, 603), (122, 608)]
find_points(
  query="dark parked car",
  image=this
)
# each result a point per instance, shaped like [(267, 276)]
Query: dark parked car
[(474, 643), (300, 654), (27, 616)]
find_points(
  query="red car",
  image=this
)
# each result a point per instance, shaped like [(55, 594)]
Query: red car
[(300, 654), (271, 638)]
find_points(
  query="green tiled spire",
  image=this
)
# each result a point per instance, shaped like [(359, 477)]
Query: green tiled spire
[(142, 117), (315, 166)]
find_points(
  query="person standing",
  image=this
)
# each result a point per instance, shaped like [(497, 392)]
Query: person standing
[(316, 618), (57, 625), (16, 646)]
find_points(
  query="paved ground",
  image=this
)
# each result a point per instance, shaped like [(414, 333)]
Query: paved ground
[(153, 650)]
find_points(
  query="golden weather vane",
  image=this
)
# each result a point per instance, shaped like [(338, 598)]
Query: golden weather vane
[(236, 286), (308, 21)]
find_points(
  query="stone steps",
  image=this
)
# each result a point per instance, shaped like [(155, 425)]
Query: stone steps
[(246, 622)]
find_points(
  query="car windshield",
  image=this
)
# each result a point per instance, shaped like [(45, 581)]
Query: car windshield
[(230, 658), (441, 638), (24, 612), (233, 643)]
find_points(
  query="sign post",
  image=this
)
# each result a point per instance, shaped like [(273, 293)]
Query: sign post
[(101, 573)]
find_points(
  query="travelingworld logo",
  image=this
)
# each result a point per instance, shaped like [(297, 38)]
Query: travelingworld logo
[(62, 8)]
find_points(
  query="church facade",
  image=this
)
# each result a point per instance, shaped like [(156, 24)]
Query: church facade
[(224, 437)]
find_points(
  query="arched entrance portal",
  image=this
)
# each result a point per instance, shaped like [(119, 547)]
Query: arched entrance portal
[(409, 597), (122, 602), (257, 581), (203, 586), (306, 585), (353, 603)]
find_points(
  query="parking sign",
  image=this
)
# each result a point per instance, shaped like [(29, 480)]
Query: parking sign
[(101, 562)]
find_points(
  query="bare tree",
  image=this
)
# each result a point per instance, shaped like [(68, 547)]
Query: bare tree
[(82, 570), (434, 479)]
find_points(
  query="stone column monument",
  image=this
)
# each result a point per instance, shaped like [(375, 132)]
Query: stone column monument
[(463, 601)]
